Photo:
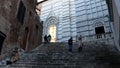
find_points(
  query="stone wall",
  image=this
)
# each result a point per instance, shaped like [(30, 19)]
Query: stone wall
[(116, 22), (114, 12), (26, 35)]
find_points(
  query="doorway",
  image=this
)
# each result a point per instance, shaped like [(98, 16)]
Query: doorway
[(2, 38), (25, 39), (52, 32)]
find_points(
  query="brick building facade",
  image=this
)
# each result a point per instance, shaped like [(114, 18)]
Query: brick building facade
[(19, 26)]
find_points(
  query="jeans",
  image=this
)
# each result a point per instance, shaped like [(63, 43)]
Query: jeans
[(70, 48)]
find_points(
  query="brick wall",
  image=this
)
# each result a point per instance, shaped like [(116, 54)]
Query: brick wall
[(27, 34)]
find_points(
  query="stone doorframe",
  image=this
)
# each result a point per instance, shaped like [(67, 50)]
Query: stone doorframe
[(50, 21)]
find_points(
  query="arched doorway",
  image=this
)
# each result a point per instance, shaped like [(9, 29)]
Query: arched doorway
[(50, 27), (52, 32)]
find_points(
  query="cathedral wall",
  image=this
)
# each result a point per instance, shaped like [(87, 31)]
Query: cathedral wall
[(88, 14), (64, 11), (79, 17)]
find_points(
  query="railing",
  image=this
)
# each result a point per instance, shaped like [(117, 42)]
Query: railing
[(102, 38)]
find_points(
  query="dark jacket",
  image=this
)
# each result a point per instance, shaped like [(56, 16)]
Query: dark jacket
[(70, 41)]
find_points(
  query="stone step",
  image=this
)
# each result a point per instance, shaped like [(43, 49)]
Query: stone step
[(39, 64), (47, 66), (56, 55)]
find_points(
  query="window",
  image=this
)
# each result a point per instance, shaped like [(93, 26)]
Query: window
[(26, 29), (37, 29), (99, 31), (30, 13), (2, 38), (21, 12)]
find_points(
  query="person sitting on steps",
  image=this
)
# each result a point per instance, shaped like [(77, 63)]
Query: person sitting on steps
[(14, 56)]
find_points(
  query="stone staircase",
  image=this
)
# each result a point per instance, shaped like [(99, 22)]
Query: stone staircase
[(56, 55)]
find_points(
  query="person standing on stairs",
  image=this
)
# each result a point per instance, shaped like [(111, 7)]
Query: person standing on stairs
[(80, 43), (49, 38), (70, 43), (77, 40), (45, 39)]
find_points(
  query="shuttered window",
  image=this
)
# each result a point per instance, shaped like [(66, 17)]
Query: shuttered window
[(21, 12)]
